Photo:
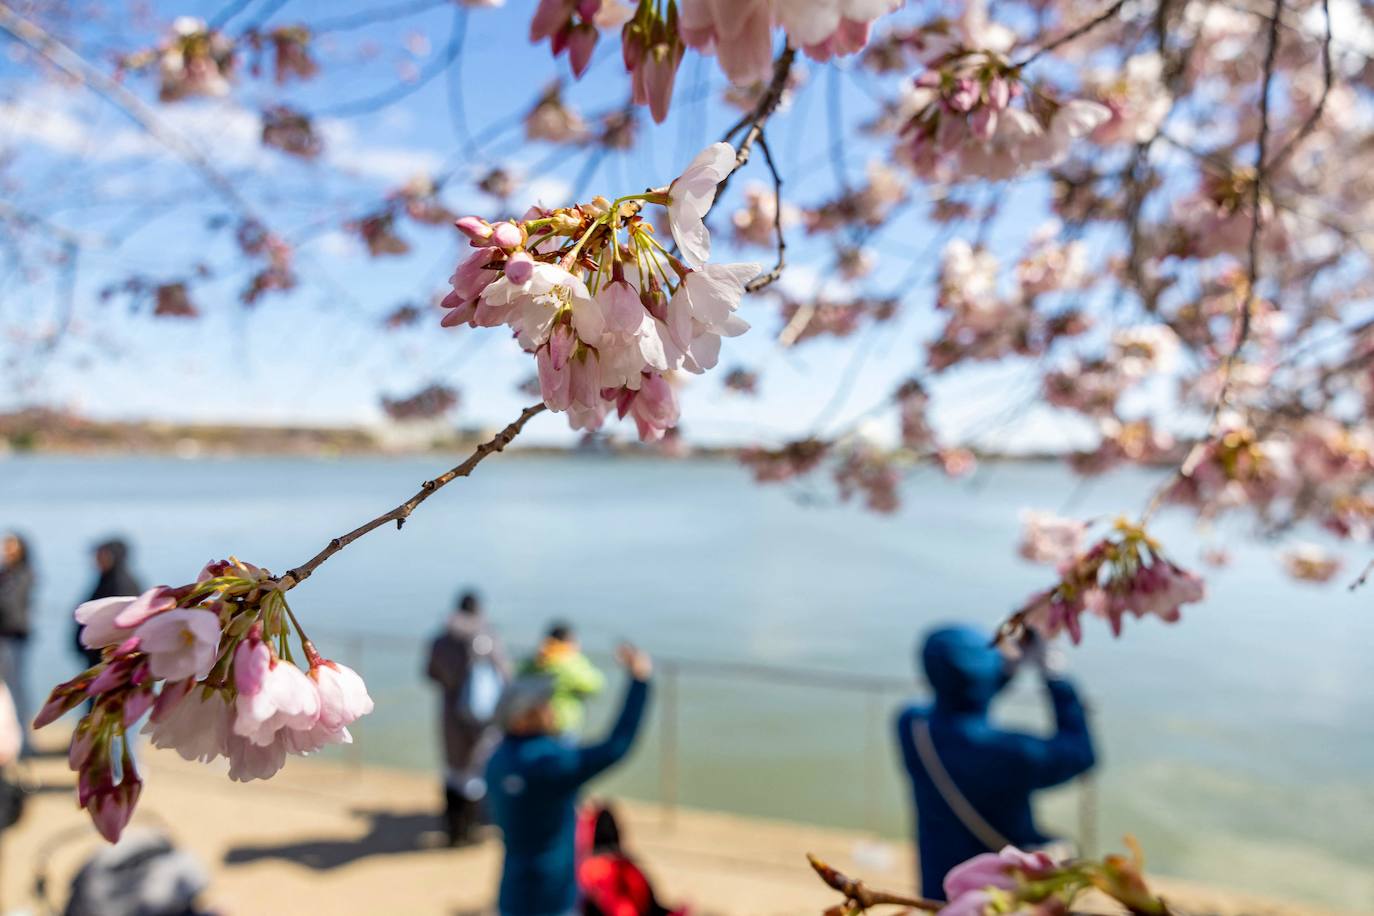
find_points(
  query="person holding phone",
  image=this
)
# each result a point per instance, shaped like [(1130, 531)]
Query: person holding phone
[(972, 781)]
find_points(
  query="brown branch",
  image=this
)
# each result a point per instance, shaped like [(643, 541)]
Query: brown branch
[(299, 574), (762, 111), (1328, 78), (1363, 577), (766, 279), (857, 895), (1194, 455), (1072, 34), (1256, 218)]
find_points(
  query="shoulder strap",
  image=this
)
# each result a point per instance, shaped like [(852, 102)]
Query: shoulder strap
[(968, 815)]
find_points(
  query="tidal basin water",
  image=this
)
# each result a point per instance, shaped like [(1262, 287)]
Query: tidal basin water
[(1238, 746)]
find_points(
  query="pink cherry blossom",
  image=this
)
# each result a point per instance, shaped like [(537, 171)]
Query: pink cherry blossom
[(691, 195), (998, 870), (197, 723), (1048, 538), (273, 695), (97, 618), (180, 643)]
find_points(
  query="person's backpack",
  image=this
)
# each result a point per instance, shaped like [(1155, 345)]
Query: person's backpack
[(142, 875), (485, 681)]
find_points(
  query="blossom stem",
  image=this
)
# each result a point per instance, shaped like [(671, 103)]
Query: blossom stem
[(296, 575)]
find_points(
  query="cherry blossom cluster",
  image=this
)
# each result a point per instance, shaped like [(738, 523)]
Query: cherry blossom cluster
[(972, 115), (1124, 573), (986, 322), (606, 309), (193, 60), (655, 35), (210, 668), (860, 465), (1033, 883)]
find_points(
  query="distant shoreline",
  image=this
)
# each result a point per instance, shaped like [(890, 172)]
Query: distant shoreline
[(42, 432)]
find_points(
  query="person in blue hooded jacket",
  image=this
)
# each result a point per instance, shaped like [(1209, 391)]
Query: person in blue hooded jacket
[(972, 781), (533, 780)]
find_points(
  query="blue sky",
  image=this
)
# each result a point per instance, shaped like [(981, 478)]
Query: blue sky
[(318, 355)]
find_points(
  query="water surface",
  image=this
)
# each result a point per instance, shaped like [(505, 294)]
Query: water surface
[(1238, 746)]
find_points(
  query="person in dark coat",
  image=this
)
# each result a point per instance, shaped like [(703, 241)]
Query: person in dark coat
[(535, 777), (468, 664), (113, 580), (972, 781), (16, 602)]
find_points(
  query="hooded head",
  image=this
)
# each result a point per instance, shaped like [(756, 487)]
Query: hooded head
[(963, 669)]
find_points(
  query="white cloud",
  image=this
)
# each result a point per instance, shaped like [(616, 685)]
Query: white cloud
[(68, 123)]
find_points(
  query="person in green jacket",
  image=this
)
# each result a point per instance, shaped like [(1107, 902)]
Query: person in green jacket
[(574, 677)]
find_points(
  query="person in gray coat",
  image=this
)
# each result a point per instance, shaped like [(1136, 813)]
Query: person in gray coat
[(469, 666)]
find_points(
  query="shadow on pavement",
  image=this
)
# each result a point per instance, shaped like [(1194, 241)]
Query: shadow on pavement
[(389, 833)]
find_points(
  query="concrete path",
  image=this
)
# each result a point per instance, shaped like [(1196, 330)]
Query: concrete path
[(326, 838)]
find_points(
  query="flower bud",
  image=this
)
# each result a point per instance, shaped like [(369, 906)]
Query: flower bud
[(507, 235), (519, 267), (475, 228), (581, 43)]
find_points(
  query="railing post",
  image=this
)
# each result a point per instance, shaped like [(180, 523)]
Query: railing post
[(668, 746), (872, 741), (1087, 816)]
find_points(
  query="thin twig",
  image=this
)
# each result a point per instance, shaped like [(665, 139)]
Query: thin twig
[(861, 897), (763, 110), (1328, 79), (1364, 576), (1073, 34), (299, 574), (771, 276)]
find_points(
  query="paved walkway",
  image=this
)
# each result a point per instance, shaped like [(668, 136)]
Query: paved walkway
[(324, 838)]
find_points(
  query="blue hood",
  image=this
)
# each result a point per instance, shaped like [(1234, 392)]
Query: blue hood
[(963, 668)]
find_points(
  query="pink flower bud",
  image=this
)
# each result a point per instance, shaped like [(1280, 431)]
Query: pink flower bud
[(83, 743), (507, 235), (561, 343), (581, 43), (463, 313), (984, 123), (584, 385), (553, 382), (587, 9), (519, 268), (999, 93), (660, 72), (964, 96), (631, 47), (136, 704), (549, 16), (474, 227)]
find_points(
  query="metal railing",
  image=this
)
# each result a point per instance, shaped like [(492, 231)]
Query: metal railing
[(680, 680)]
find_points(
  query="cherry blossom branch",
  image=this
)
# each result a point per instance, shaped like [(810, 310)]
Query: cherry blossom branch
[(859, 897), (762, 111), (1072, 34), (1256, 218), (771, 276), (1195, 453), (299, 574), (1363, 576), (1328, 78)]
